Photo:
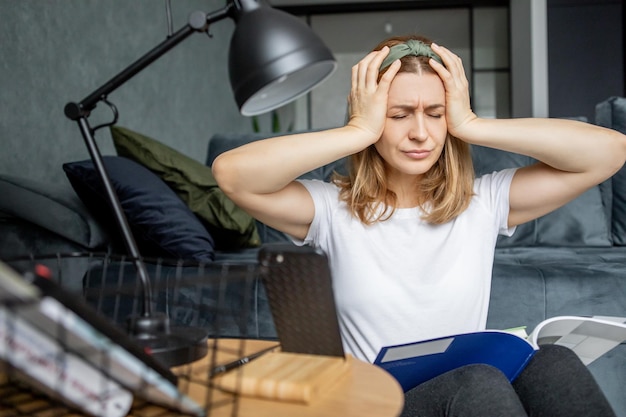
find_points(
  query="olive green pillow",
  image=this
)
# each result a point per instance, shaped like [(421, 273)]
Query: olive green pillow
[(193, 182)]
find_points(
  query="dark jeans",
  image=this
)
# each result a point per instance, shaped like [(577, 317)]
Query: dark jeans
[(554, 384)]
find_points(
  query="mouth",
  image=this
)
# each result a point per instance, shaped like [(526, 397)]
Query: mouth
[(417, 153)]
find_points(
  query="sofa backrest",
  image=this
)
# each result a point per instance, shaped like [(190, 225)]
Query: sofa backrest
[(611, 113), (223, 142), (585, 221)]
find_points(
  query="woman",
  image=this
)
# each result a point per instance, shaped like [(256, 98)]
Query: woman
[(410, 234)]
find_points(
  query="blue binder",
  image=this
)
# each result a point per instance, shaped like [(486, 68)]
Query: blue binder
[(414, 363)]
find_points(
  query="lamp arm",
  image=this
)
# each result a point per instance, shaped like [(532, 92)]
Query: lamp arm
[(79, 112)]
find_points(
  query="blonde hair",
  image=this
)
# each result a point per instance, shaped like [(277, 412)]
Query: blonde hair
[(446, 189)]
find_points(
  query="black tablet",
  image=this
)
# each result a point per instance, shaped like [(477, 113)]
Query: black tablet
[(298, 284)]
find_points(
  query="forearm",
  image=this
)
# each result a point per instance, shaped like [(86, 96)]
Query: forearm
[(268, 165), (566, 145)]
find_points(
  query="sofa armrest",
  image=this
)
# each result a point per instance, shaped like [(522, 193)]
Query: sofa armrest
[(55, 208)]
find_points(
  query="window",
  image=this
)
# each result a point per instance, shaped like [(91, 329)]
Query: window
[(478, 34)]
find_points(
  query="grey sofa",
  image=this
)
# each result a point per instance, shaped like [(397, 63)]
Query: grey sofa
[(570, 262)]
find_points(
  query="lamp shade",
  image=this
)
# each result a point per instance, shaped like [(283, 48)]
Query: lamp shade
[(274, 58)]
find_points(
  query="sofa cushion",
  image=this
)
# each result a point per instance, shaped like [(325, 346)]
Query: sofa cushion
[(162, 224), (585, 221), (56, 208), (532, 284), (231, 227), (611, 113)]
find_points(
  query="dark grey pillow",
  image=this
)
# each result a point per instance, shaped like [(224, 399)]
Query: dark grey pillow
[(162, 224), (54, 207)]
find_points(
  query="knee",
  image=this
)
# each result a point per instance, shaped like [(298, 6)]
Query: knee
[(471, 390), (484, 383), (552, 363), (480, 381), (556, 351), (480, 375), (557, 357)]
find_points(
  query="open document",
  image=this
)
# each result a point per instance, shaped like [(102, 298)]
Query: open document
[(510, 351)]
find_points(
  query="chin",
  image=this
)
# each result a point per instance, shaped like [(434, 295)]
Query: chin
[(412, 172), (418, 168)]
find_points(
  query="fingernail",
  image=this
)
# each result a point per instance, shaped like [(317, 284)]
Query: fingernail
[(434, 45)]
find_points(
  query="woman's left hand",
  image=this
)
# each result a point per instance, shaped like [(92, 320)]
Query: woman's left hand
[(459, 114)]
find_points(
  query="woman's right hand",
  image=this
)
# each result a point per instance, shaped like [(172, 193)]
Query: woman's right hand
[(367, 103)]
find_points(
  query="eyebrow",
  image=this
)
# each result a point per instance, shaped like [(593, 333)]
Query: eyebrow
[(411, 107)]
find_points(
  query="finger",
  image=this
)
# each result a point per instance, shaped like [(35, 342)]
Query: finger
[(389, 75), (359, 69), (453, 74), (443, 73), (452, 62), (364, 64), (443, 52), (374, 66), (367, 58)]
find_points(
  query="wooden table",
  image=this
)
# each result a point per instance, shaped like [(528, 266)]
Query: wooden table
[(365, 390)]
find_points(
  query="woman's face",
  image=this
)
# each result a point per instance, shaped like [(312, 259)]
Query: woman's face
[(415, 128)]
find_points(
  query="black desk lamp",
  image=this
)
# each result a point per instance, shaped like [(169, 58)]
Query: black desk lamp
[(274, 58)]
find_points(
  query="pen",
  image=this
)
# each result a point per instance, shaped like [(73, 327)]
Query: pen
[(237, 363)]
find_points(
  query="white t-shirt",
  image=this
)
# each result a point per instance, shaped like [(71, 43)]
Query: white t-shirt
[(403, 280)]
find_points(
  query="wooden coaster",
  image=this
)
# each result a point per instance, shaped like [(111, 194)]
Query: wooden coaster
[(283, 376)]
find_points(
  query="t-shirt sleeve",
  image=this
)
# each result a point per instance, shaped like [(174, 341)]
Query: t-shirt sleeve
[(493, 190), (325, 199)]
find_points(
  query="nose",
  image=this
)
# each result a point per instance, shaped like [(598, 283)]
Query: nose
[(418, 129)]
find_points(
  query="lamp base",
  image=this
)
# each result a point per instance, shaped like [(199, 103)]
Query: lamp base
[(181, 345), (171, 346)]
